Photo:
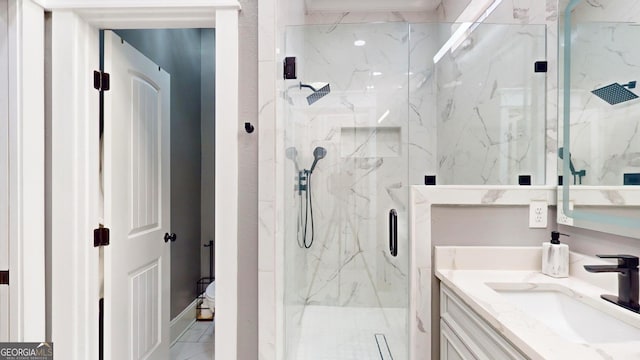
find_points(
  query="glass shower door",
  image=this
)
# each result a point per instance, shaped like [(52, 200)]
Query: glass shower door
[(346, 195)]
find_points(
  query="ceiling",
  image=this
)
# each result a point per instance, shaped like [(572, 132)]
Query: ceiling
[(370, 5)]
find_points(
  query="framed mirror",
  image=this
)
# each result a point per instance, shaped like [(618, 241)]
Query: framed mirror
[(599, 153)]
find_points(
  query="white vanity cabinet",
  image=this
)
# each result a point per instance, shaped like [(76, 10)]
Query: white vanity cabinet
[(465, 335)]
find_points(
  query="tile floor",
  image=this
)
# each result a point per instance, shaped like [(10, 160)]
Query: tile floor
[(336, 333), (196, 343)]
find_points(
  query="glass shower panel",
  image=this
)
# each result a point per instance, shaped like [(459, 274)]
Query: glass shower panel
[(346, 174), (478, 106)]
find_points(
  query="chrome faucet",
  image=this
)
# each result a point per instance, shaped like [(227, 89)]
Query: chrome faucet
[(627, 270)]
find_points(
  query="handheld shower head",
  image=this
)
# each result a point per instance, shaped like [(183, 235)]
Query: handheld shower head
[(318, 153), (319, 91), (291, 153)]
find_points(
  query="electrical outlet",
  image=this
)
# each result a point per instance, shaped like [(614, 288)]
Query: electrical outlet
[(562, 217), (538, 214)]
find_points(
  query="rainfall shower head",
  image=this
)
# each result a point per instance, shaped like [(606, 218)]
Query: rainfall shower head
[(319, 91), (318, 153), (616, 93)]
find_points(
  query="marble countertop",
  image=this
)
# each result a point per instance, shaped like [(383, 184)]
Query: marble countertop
[(468, 271)]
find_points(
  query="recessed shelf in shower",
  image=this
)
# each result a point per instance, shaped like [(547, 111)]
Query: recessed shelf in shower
[(370, 141)]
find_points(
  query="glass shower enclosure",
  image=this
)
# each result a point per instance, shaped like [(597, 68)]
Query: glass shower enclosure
[(374, 109), (346, 273)]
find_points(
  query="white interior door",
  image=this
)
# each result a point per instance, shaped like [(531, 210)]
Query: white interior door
[(4, 167), (136, 150)]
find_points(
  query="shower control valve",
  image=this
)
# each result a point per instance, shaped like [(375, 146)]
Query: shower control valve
[(302, 182)]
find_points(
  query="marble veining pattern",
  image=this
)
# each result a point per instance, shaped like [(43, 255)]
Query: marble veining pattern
[(362, 125), (291, 12), (490, 112), (457, 267), (422, 199), (493, 107), (357, 183), (604, 138)]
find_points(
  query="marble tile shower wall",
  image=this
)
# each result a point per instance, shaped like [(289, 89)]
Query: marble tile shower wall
[(360, 178), (275, 18), (425, 41), (474, 118), (605, 140), (478, 113)]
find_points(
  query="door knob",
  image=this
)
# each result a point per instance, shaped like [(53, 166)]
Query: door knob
[(171, 237)]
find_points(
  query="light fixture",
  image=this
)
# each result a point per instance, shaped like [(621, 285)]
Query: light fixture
[(376, 73), (475, 13), (454, 39), (359, 43), (384, 116)]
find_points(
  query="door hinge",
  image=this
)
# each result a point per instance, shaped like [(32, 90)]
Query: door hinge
[(101, 236), (101, 80), (4, 277)]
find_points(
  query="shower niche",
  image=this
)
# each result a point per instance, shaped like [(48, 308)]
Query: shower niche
[(371, 141)]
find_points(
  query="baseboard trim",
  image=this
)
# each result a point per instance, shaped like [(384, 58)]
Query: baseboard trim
[(181, 323)]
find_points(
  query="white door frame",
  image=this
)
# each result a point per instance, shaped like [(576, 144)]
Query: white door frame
[(26, 172), (4, 165), (75, 206)]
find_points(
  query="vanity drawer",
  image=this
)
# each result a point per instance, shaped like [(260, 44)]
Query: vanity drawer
[(451, 346), (482, 341)]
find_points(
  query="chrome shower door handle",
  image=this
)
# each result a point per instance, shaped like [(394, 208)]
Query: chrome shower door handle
[(393, 232)]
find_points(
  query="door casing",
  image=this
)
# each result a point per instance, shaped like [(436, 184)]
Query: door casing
[(4, 168), (26, 171), (75, 205)]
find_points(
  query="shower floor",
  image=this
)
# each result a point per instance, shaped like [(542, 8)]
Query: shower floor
[(342, 333)]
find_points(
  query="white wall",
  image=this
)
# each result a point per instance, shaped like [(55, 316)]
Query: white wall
[(247, 183)]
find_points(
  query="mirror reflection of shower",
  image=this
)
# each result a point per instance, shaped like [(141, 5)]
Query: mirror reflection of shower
[(576, 173), (616, 93), (305, 222)]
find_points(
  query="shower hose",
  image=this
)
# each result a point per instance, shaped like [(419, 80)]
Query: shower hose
[(308, 213)]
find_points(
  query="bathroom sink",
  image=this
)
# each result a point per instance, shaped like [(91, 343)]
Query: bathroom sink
[(568, 316)]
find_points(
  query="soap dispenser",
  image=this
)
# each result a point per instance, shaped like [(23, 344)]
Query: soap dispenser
[(555, 257)]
